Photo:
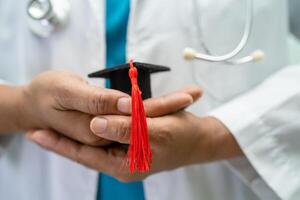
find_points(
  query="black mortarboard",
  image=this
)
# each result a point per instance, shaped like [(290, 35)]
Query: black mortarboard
[(120, 80)]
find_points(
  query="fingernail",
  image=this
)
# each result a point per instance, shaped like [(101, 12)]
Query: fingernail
[(98, 125), (124, 105), (38, 137)]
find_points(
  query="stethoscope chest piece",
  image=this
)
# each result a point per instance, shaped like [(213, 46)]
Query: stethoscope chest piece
[(47, 16)]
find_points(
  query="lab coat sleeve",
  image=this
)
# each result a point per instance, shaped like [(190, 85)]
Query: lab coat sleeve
[(266, 123), (4, 139)]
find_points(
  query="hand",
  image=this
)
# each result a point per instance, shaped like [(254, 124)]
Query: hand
[(179, 145), (64, 102), (176, 139)]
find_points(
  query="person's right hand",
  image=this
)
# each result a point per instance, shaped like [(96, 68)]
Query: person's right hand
[(62, 101)]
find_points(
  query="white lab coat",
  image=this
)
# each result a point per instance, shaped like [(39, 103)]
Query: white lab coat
[(257, 102)]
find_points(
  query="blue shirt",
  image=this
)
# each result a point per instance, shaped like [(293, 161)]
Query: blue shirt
[(116, 30)]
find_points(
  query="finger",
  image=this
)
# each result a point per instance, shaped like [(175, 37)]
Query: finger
[(173, 102), (92, 157), (117, 128), (193, 90), (112, 127), (90, 99), (55, 142), (167, 104), (76, 125)]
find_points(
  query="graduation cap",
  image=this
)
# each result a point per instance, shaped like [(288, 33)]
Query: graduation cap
[(134, 78), (120, 80)]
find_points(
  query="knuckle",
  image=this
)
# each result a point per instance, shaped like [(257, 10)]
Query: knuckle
[(61, 86), (62, 94), (99, 104), (161, 102), (165, 134), (123, 130), (91, 140), (159, 133), (78, 155)]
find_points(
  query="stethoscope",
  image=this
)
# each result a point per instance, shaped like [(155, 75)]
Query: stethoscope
[(255, 56), (47, 16)]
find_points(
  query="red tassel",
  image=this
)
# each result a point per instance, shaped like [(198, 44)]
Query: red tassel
[(139, 152)]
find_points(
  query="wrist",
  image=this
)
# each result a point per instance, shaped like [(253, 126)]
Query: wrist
[(23, 117), (11, 108), (219, 142), (225, 145)]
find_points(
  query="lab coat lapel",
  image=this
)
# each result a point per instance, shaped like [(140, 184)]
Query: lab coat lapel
[(158, 31), (77, 177), (98, 9)]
